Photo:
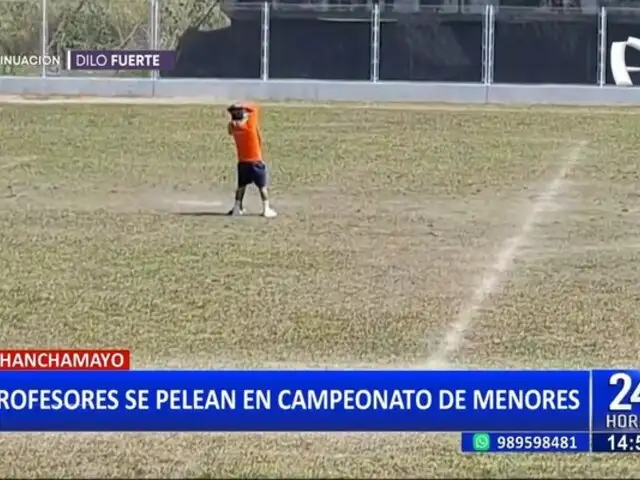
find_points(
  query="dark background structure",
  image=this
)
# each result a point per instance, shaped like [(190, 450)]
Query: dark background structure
[(533, 43)]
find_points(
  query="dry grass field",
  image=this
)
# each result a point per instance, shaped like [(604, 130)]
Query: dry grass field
[(444, 237)]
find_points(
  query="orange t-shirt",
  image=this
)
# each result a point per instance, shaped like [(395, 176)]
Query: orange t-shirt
[(246, 135)]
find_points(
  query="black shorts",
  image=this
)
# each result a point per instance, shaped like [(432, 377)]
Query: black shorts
[(249, 172)]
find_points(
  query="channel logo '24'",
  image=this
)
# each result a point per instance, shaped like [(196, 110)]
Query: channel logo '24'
[(628, 394)]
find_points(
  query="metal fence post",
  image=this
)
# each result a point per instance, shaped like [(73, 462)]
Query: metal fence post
[(491, 44), (485, 45), (375, 42), (153, 25), (602, 47), (264, 65), (157, 24), (152, 32), (44, 37), (488, 26), (154, 6)]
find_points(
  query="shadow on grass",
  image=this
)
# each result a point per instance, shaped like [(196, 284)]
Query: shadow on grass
[(215, 214), (203, 214)]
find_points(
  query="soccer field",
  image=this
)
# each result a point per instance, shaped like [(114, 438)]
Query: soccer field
[(443, 237)]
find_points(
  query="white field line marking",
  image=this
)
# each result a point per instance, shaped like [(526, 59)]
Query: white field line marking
[(503, 264)]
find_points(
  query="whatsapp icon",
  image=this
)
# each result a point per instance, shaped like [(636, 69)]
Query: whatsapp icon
[(481, 442)]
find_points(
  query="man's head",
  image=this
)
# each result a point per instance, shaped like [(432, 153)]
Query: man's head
[(238, 112)]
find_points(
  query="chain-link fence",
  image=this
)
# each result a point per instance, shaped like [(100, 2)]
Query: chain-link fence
[(558, 42)]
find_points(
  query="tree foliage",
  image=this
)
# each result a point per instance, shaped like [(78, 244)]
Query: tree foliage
[(100, 24)]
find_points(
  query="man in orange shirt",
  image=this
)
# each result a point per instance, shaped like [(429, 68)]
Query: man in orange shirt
[(251, 168)]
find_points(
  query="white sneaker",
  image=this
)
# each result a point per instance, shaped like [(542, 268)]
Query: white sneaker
[(269, 213)]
